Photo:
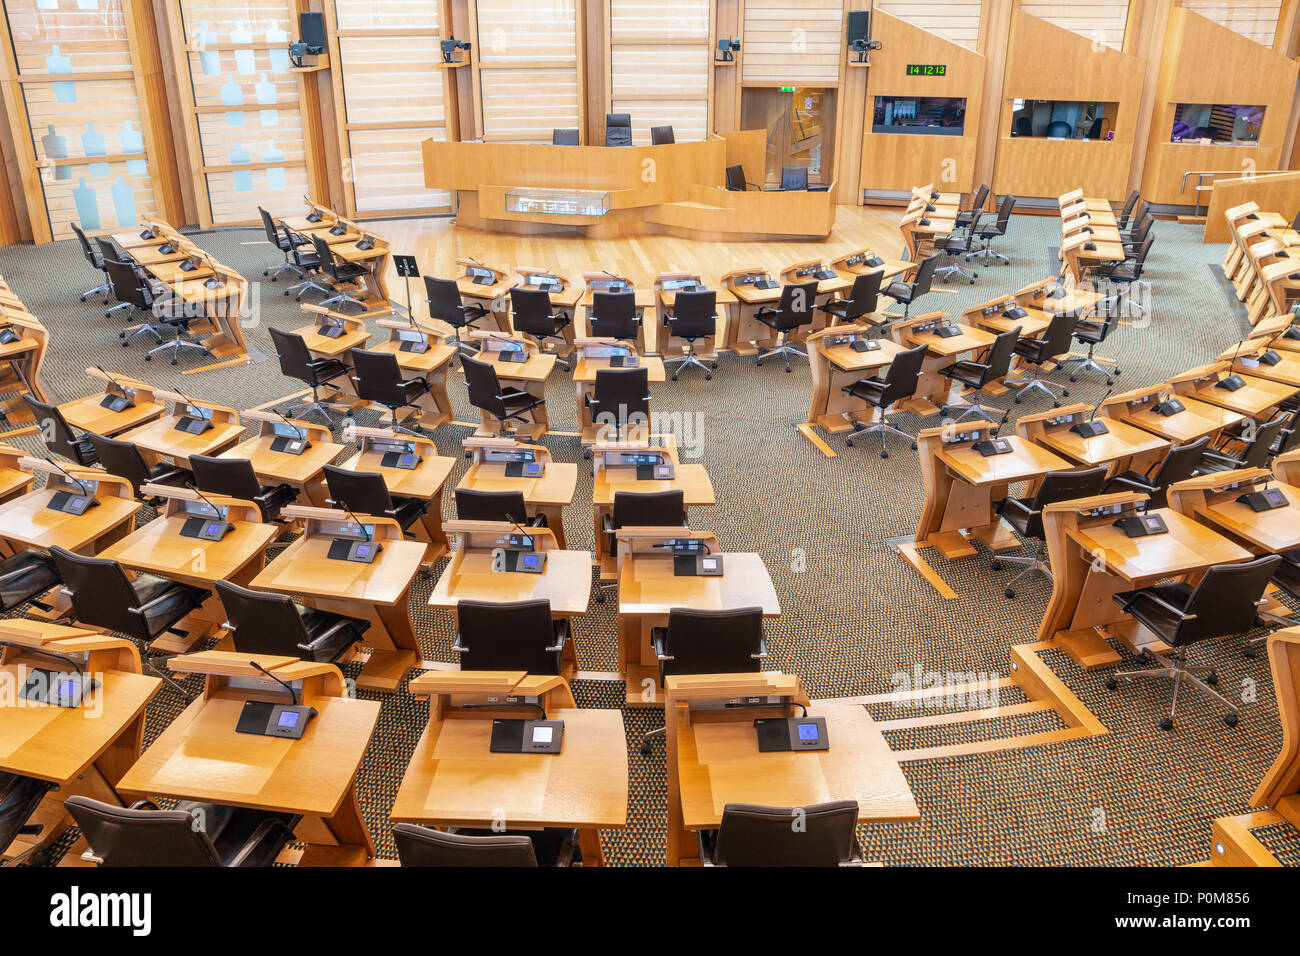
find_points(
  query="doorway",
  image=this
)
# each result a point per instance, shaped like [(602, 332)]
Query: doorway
[(800, 124)]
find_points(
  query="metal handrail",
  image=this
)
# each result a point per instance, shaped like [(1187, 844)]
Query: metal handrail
[(1200, 175)]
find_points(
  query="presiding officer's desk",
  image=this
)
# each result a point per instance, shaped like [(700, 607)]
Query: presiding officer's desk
[(547, 495), (667, 285), (84, 749), (161, 549), (1256, 399), (304, 471), (1092, 560), (648, 590), (1123, 447), (961, 486), (378, 593), (29, 522), (835, 364), (595, 354), (1197, 419), (527, 376), (200, 756), (713, 757), (167, 437), (933, 389), (91, 413), (454, 779)]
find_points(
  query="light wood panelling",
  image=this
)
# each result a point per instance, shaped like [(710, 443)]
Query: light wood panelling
[(792, 41), (957, 20), (660, 61), (1279, 193), (1254, 19), (1101, 21)]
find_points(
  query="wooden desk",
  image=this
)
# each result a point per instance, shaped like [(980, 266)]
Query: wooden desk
[(833, 286), (1197, 419), (160, 439), (431, 365), (27, 521), (835, 364), (665, 343), (1124, 447), (14, 481), (594, 356), (547, 495), (1055, 297), (21, 361), (89, 415), (376, 259), (529, 376), (1212, 499), (304, 472), (933, 389), (745, 335), (1255, 399), (643, 299)]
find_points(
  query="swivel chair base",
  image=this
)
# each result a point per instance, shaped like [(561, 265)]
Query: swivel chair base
[(1203, 679), (880, 428)]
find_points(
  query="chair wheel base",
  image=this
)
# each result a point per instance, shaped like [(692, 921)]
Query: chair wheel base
[(1111, 683), (645, 750), (1166, 723)]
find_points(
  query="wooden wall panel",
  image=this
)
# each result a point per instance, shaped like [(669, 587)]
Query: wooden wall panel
[(1102, 21), (1254, 19), (957, 20), (792, 41), (660, 64)]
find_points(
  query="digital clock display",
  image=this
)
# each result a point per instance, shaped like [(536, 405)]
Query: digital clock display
[(927, 69)]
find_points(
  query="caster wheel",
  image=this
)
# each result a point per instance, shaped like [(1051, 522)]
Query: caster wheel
[(1017, 401), (972, 281), (148, 358), (586, 453), (1166, 723), (848, 443), (1117, 373), (708, 377), (1230, 719), (600, 597), (759, 363), (645, 751), (1073, 379), (1111, 683), (884, 454), (469, 454), (674, 378), (1248, 652), (913, 446), (713, 365), (1011, 595), (1212, 679), (126, 345), (83, 298), (995, 565), (174, 362), (276, 279), (286, 291)]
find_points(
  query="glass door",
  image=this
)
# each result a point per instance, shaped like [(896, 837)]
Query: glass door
[(800, 124)]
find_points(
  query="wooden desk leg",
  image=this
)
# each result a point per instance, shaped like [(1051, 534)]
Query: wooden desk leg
[(589, 843), (554, 515), (390, 637), (340, 840), (678, 849)]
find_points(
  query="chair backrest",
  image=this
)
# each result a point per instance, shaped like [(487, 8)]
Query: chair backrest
[(981, 197), (379, 377), (91, 253), (444, 300), (695, 314), (19, 798), (272, 234), (54, 427), (306, 259), (1226, 600), (1000, 354), (474, 505), (1005, 208), (649, 509), (531, 311), (767, 836), (903, 376), (613, 314), (295, 357), (326, 256), (1140, 260), (618, 129), (121, 458), (100, 593), (924, 277), (661, 135), (1128, 205), (864, 296), (1060, 333), (794, 177), (565, 136), (736, 179), (798, 299), (621, 395), (713, 642), (108, 249), (483, 387), (422, 846), (1290, 434), (1063, 486), (1258, 451), (364, 492), (232, 477), (120, 836), (1178, 465), (260, 622), (126, 284), (507, 636)]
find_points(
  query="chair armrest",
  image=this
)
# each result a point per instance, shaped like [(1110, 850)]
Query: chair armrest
[(325, 636), (264, 830), (1014, 505), (1221, 458), (762, 650), (564, 857), (1129, 599), (13, 574), (158, 600), (145, 804), (657, 642), (1127, 482), (561, 635), (457, 646)]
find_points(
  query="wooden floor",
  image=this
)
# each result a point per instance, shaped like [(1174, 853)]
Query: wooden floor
[(437, 243)]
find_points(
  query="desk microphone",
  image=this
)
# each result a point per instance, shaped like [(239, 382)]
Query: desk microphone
[(532, 560), (66, 694), (348, 549), (1088, 428), (66, 501), (293, 694), (203, 529), (274, 720), (187, 421), (993, 445), (110, 402), (302, 435)]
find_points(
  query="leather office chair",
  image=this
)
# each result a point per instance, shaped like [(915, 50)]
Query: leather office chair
[(977, 375), (474, 505), (794, 310), (264, 623), (133, 292), (123, 458), (366, 493), (1129, 275), (282, 241), (235, 478), (532, 314), (1091, 333), (510, 636), (969, 215), (108, 252), (424, 846), (193, 834), (1289, 438), (1179, 464), (58, 434), (1255, 452), (694, 316), (863, 298), (614, 316), (379, 379), (96, 260), (486, 394), (736, 180), (1026, 516), (446, 305), (618, 129), (955, 246), (620, 398), (794, 178), (19, 799), (1134, 239), (661, 135), (297, 362), (1225, 601), (1286, 577), (900, 382), (1035, 353), (909, 292), (1125, 212), (25, 576), (640, 509), (345, 276), (564, 137), (303, 254), (765, 836), (987, 231)]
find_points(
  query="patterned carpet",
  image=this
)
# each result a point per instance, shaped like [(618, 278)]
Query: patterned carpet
[(854, 615)]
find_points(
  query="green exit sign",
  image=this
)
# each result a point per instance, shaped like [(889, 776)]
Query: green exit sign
[(927, 69), (787, 89)]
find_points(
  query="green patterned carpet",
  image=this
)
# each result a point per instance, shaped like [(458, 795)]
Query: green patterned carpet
[(854, 615)]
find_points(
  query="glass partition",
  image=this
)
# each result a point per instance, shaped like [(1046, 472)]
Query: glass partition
[(926, 115), (1063, 119), (1216, 123)]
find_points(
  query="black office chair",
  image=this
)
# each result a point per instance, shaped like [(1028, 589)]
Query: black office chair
[(123, 458), (19, 799), (486, 394), (108, 252), (262, 623), (900, 382), (862, 301), (303, 254), (977, 375), (661, 135), (1286, 577), (424, 846), (956, 246), (1179, 464), (96, 260), (794, 178), (533, 315), (1026, 516), (1255, 452), (1125, 212), (58, 434), (640, 509), (1023, 126), (298, 362), (909, 292), (193, 834), (474, 505), (969, 215), (282, 241), (446, 305), (736, 180), (618, 129), (694, 316), (510, 636), (564, 137), (133, 292), (346, 276), (794, 310), (1225, 601), (1134, 239), (614, 315), (767, 836), (1129, 276), (25, 576), (620, 398), (1289, 438), (366, 493), (1037, 352), (235, 478), (1091, 333), (379, 379), (986, 231)]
